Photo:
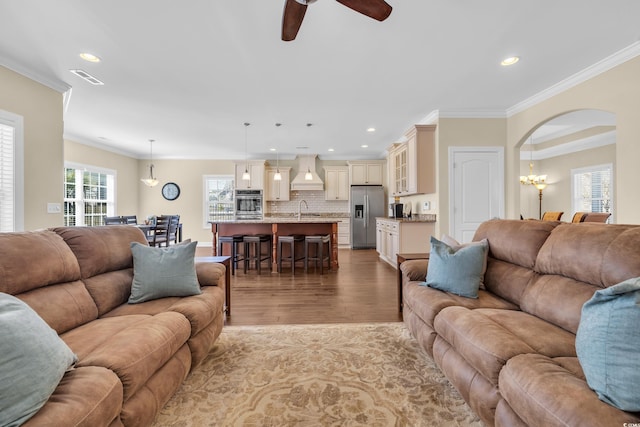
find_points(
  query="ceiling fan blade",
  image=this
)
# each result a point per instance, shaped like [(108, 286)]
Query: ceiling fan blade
[(376, 9), (292, 19)]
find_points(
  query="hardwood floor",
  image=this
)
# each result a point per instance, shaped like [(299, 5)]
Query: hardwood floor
[(362, 290)]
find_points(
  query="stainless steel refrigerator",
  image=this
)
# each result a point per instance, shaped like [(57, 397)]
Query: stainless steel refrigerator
[(367, 203)]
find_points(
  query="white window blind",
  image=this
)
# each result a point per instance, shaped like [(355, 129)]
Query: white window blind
[(218, 198), (593, 189), (89, 195), (7, 178)]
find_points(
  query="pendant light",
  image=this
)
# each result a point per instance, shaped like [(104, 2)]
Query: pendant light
[(151, 181), (246, 176), (277, 176), (308, 176)]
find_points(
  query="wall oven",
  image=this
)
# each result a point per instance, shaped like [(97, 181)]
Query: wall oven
[(248, 204)]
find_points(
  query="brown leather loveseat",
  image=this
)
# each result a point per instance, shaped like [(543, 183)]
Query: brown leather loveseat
[(131, 357), (511, 352)]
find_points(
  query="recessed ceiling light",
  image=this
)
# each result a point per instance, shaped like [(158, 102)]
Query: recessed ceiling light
[(89, 57), (364, 146), (509, 61), (371, 129), (330, 149), (272, 149)]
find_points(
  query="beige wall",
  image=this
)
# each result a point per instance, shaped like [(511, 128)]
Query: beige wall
[(557, 196), (616, 91), (41, 109), (126, 172)]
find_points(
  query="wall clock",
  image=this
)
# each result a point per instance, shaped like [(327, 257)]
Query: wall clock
[(170, 191)]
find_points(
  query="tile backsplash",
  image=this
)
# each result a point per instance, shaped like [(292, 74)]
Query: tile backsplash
[(315, 200)]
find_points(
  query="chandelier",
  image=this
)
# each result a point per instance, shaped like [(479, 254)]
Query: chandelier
[(532, 179)]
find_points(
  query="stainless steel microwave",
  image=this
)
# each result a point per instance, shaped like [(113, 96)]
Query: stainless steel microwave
[(248, 204)]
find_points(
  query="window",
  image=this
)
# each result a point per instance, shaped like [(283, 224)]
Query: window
[(218, 198), (592, 189), (11, 173), (89, 195)]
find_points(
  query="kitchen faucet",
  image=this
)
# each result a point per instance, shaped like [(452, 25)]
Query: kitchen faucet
[(300, 207)]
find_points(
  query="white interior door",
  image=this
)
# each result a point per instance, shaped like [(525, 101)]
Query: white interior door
[(476, 188)]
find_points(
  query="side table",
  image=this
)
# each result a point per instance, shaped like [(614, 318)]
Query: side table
[(400, 258), (226, 261)]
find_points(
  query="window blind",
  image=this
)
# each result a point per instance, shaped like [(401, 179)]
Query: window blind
[(7, 178), (593, 189)]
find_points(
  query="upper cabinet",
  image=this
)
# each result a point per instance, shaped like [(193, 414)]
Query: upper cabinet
[(336, 183), (367, 172), (412, 164), (277, 191), (256, 173)]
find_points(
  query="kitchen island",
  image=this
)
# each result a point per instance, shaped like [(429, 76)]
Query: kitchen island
[(280, 226)]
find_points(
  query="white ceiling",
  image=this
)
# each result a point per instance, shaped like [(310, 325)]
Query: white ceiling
[(189, 74)]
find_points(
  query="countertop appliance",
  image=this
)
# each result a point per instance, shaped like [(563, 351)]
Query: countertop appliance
[(367, 203), (248, 204), (397, 210)]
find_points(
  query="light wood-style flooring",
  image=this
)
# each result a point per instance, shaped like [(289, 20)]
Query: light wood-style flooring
[(363, 289)]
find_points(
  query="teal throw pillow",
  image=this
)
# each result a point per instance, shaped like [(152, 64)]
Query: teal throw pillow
[(608, 344), (459, 272), (163, 272), (33, 360)]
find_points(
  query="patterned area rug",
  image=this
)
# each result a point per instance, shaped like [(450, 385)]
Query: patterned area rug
[(317, 375)]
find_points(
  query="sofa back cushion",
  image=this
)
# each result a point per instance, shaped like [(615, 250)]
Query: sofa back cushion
[(40, 269), (105, 260), (576, 261), (513, 249)]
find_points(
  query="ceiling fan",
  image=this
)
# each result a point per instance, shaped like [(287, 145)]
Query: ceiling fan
[(294, 11)]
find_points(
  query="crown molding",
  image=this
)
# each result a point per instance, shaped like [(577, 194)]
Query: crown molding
[(55, 84), (595, 141), (590, 72), (102, 146)]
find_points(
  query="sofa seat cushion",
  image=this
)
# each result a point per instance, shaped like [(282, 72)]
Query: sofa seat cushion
[(134, 347), (427, 302), (200, 310), (546, 391), (487, 338), (89, 396)]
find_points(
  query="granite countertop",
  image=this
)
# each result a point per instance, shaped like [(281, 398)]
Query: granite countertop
[(305, 219), (414, 218)]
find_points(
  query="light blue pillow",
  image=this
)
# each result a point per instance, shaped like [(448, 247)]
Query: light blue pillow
[(459, 272), (163, 272), (33, 360), (608, 344)]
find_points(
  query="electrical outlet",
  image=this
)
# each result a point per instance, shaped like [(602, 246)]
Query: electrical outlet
[(54, 208), (426, 206)]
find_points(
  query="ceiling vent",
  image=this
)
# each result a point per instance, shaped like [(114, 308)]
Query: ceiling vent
[(307, 165), (87, 77)]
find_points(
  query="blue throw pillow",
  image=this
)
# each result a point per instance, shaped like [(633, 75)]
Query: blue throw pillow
[(459, 272), (33, 360), (163, 272), (608, 344)]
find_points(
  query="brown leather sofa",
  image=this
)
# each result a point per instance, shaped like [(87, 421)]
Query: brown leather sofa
[(511, 352), (132, 357)]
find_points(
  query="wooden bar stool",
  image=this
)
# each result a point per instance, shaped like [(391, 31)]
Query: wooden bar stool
[(253, 251), (234, 242), (318, 242), (291, 241)]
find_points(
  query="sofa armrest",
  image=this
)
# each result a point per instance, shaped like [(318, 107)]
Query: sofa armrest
[(210, 274), (414, 270)]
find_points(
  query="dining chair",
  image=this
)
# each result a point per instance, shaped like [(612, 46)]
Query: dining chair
[(578, 217), (112, 220), (552, 216), (172, 235), (160, 232), (129, 219), (596, 217)]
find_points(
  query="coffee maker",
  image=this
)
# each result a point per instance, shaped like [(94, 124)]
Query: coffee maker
[(397, 210)]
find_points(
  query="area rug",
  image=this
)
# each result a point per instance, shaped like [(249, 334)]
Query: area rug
[(317, 375)]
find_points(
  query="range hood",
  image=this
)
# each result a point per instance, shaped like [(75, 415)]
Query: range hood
[(307, 163)]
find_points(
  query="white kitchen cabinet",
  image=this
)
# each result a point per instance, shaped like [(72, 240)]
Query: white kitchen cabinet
[(277, 191), (369, 172), (256, 170), (336, 183), (412, 164), (344, 231), (399, 236)]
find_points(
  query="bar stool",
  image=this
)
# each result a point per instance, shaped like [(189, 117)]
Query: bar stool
[(234, 242), (291, 240), (318, 243), (253, 250)]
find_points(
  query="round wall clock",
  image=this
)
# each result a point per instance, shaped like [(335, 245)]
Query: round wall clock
[(170, 191)]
